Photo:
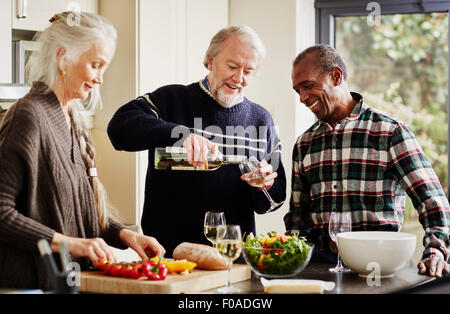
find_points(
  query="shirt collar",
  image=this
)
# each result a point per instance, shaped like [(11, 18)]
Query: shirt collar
[(359, 108), (204, 85)]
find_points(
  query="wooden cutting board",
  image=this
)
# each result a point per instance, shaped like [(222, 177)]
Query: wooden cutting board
[(198, 280)]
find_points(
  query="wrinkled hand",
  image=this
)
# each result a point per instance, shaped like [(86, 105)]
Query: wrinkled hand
[(433, 266), (197, 148), (264, 172), (94, 249), (144, 246)]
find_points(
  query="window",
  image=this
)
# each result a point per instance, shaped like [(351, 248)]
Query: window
[(397, 57)]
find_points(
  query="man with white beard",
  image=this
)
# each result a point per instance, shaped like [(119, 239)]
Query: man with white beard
[(211, 115)]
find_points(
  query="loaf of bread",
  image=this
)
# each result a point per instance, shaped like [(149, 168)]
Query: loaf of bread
[(206, 257)]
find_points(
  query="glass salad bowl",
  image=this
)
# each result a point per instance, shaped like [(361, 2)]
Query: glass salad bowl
[(277, 256)]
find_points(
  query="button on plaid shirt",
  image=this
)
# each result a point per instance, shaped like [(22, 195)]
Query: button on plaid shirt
[(364, 165)]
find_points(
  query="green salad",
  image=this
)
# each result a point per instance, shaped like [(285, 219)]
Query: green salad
[(276, 254)]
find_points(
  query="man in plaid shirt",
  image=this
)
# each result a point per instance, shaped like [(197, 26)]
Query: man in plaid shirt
[(358, 159)]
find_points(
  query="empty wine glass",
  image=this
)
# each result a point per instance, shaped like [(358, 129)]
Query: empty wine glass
[(212, 221), (399, 216), (339, 222), (230, 248), (391, 220), (256, 180)]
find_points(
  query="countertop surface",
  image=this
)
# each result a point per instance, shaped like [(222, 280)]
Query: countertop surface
[(346, 283)]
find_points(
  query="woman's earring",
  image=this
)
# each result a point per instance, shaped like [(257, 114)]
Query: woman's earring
[(62, 73)]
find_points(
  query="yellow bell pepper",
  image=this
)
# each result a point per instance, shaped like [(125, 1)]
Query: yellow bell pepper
[(177, 266), (261, 258)]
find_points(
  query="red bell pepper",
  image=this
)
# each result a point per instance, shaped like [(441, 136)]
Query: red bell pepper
[(154, 270)]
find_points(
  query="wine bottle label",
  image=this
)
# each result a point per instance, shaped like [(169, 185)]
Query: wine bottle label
[(175, 158), (187, 168), (175, 150)]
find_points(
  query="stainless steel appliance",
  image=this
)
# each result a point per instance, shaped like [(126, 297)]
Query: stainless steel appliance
[(21, 52)]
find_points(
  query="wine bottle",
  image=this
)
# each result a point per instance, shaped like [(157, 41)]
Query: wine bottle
[(175, 158)]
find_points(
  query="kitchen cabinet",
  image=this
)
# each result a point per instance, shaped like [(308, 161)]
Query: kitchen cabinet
[(5, 42), (34, 15), (159, 43)]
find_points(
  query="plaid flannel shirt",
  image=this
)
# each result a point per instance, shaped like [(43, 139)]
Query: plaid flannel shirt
[(364, 165)]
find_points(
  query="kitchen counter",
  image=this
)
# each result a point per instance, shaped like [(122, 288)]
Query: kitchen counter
[(346, 283)]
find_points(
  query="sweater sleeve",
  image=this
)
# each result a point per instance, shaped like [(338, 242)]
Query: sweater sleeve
[(111, 234), (139, 125), (19, 142)]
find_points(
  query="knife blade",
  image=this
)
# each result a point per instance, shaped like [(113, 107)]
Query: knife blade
[(64, 255), (47, 256)]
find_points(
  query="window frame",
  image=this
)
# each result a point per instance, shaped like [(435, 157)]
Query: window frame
[(328, 10)]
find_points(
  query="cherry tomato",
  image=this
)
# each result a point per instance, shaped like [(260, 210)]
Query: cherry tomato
[(102, 264), (136, 272), (114, 270), (125, 271)]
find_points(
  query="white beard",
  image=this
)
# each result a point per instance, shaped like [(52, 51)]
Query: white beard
[(228, 101)]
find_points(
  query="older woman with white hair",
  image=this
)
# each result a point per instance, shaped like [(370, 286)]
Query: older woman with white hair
[(49, 187)]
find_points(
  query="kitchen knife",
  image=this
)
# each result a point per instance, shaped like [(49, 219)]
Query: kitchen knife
[(47, 256), (64, 255)]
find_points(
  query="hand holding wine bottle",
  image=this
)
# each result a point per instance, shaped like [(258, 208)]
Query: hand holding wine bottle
[(197, 148)]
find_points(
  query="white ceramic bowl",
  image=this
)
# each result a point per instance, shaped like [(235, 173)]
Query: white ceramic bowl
[(376, 253)]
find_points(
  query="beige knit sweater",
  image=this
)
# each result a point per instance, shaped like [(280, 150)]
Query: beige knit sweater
[(44, 189)]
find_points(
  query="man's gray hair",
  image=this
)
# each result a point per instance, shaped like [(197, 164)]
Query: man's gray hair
[(244, 32), (328, 58)]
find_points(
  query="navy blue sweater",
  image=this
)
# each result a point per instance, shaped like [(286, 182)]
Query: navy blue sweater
[(176, 201)]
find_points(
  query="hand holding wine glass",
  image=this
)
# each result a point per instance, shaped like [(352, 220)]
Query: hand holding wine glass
[(339, 222), (249, 169), (213, 220), (230, 248)]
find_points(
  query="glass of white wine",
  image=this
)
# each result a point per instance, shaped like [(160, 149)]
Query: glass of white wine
[(256, 180), (213, 220), (230, 248)]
